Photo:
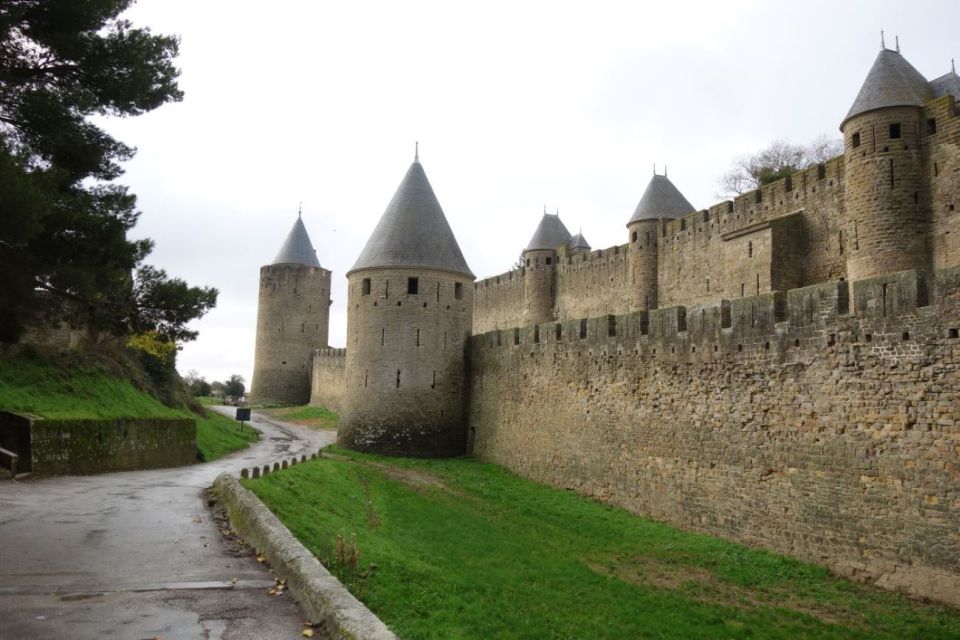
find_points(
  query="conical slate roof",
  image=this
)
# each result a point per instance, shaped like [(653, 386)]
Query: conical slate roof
[(892, 82), (413, 232), (579, 242), (661, 200), (297, 248), (550, 234), (949, 83)]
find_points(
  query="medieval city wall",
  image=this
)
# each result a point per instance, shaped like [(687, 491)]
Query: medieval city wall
[(942, 168), (781, 420), (785, 235), (499, 301), (594, 283), (328, 378)]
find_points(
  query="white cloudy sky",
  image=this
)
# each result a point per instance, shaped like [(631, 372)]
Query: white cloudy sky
[(516, 105)]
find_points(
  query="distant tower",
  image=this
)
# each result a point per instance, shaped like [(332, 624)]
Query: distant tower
[(409, 314), (540, 264), (293, 318), (885, 196), (661, 201)]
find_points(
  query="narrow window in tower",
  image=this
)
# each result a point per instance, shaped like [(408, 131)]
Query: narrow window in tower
[(821, 171), (750, 249), (892, 181), (418, 337), (302, 326), (528, 262), (558, 329), (743, 290), (499, 339), (458, 290), (856, 140), (646, 302), (916, 197), (444, 339), (365, 377), (936, 169), (633, 237), (583, 328), (516, 337), (856, 236), (433, 385), (549, 261), (840, 241), (386, 288), (931, 126), (758, 284), (611, 326), (648, 237), (758, 196), (398, 378), (894, 130), (413, 285), (708, 285), (536, 333), (383, 336), (438, 292)]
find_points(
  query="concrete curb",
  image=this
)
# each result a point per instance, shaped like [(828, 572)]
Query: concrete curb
[(322, 597)]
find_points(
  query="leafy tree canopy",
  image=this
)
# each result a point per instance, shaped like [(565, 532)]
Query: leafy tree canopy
[(234, 387), (777, 161), (64, 234)]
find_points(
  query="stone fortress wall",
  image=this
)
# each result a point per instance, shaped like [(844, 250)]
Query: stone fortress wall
[(782, 369), (781, 420)]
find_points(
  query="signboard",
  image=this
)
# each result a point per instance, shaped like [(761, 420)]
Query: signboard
[(243, 413)]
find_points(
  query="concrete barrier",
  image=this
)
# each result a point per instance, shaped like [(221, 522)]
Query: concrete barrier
[(322, 597)]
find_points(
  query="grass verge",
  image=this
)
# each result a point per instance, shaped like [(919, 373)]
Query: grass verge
[(461, 549), (218, 435), (307, 415)]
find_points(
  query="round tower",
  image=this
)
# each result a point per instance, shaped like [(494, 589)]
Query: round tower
[(660, 201), (540, 269), (293, 319), (886, 212), (409, 315)]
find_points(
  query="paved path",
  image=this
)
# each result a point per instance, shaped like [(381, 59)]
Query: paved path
[(138, 555)]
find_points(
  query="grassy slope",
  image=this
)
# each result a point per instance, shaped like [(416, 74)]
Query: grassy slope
[(307, 415), (218, 435), (86, 390), (461, 549), (76, 391)]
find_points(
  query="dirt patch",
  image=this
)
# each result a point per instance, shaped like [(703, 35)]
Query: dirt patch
[(700, 583)]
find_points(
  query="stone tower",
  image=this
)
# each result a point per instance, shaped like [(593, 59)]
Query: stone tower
[(540, 264), (409, 314), (660, 201), (293, 317), (886, 204)]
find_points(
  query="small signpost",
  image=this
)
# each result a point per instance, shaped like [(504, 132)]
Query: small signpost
[(243, 413)]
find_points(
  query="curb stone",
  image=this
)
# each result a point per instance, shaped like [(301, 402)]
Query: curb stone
[(321, 596)]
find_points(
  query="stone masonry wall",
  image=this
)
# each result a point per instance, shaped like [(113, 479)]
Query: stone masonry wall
[(97, 446), (328, 381), (780, 421), (941, 147)]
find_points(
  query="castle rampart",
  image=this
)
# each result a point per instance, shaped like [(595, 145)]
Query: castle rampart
[(328, 378), (782, 420)]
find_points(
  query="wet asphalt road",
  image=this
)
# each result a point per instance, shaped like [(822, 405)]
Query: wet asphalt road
[(138, 555)]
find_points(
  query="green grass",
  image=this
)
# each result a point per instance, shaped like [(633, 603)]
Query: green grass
[(82, 391), (78, 391), (311, 416), (208, 401), (460, 549), (218, 435)]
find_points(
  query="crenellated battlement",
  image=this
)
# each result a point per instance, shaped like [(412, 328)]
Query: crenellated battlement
[(776, 327)]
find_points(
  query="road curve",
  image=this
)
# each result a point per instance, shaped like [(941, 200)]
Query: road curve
[(138, 555)]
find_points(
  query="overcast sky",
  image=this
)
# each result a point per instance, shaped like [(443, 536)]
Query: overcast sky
[(516, 105)]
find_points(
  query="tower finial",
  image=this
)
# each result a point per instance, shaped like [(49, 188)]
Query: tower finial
[(654, 168), (664, 171), (953, 65), (897, 40), (300, 210), (883, 44), (416, 151)]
